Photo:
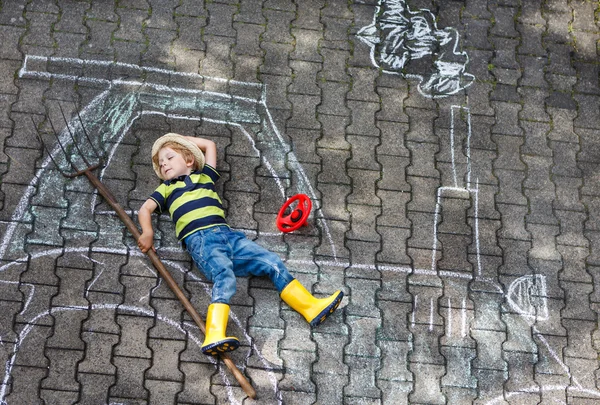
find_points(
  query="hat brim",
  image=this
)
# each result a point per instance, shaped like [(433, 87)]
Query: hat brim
[(181, 140)]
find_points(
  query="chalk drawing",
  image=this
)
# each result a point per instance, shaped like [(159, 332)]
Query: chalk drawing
[(513, 395), (409, 43), (527, 296), (463, 318), (192, 327), (110, 115)]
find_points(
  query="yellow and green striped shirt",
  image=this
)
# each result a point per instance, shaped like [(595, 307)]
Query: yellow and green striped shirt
[(192, 201)]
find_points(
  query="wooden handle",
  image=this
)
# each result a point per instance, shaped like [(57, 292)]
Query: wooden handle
[(132, 227)]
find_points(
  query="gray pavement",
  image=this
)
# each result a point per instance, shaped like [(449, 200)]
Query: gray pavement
[(451, 150)]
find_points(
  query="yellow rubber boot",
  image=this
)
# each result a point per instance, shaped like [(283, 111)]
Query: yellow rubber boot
[(314, 310), (215, 341)]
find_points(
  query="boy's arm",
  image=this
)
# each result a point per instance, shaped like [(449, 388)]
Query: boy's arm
[(146, 240), (208, 147)]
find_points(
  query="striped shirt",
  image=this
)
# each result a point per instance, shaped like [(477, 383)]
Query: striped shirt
[(191, 201)]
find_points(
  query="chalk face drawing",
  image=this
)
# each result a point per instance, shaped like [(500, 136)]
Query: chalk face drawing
[(410, 44)]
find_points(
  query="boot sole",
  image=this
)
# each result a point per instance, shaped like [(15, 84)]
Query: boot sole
[(330, 309), (222, 346)]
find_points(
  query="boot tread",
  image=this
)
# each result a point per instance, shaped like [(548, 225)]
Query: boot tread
[(222, 346), (330, 309)]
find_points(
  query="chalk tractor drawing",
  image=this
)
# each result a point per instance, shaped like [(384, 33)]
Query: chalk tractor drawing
[(122, 101), (123, 95)]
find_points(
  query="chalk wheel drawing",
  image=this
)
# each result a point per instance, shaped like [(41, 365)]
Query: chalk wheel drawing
[(527, 296)]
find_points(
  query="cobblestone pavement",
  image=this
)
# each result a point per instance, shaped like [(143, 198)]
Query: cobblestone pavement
[(451, 150)]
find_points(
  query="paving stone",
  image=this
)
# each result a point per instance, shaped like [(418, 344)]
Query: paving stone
[(394, 317), (332, 92), (581, 370), (62, 363), (165, 354), (94, 386), (306, 44), (130, 378), (459, 362), (589, 111), (504, 18), (549, 271), (427, 387), (362, 118), (332, 386), (304, 77), (363, 85), (520, 369), (297, 375), (392, 139), (25, 378), (392, 238), (576, 302), (504, 55), (489, 349), (362, 377), (533, 108), (477, 33), (490, 382), (506, 120), (559, 54)]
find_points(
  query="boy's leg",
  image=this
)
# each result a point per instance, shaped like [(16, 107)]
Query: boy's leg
[(314, 310), (251, 258), (213, 258), (212, 254)]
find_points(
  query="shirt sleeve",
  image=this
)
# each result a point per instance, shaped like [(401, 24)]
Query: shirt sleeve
[(160, 198), (211, 172)]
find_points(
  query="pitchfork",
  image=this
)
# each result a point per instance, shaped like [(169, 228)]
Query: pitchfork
[(131, 226)]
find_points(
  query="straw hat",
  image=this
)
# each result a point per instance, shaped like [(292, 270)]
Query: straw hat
[(171, 137)]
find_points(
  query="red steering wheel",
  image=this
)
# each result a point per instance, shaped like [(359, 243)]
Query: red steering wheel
[(289, 219)]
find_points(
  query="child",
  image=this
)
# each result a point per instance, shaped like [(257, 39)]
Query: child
[(187, 167)]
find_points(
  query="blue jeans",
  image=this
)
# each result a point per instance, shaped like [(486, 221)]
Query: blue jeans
[(222, 254)]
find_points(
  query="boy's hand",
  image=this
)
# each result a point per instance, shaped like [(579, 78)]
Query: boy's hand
[(146, 239), (146, 242), (208, 147)]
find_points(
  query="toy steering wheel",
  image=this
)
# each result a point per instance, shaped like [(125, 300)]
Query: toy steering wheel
[(290, 221)]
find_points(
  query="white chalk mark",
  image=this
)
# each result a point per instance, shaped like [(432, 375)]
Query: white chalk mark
[(476, 222), (87, 290), (556, 357), (453, 158), (120, 126), (539, 390), (463, 331), (449, 319), (431, 310), (296, 166), (528, 306), (413, 315)]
